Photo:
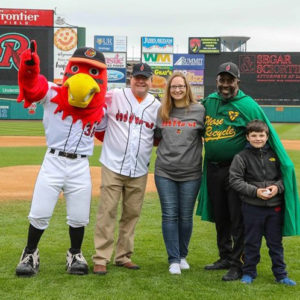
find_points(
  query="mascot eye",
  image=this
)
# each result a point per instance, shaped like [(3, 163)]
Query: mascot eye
[(74, 69), (94, 71)]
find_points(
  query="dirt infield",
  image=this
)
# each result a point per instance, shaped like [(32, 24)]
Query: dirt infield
[(33, 141), (18, 182)]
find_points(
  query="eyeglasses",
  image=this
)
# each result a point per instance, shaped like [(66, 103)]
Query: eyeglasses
[(175, 87)]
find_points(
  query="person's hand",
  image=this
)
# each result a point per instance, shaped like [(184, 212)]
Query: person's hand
[(29, 57), (273, 189), (264, 193)]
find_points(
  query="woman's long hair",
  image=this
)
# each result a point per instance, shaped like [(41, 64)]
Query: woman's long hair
[(168, 102)]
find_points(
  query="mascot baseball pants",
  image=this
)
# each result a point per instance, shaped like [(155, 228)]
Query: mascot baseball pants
[(227, 213), (72, 176), (114, 185)]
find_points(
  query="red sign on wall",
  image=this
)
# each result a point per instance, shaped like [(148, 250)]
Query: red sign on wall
[(26, 17)]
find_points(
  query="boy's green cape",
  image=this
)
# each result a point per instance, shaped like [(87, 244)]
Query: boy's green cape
[(250, 111)]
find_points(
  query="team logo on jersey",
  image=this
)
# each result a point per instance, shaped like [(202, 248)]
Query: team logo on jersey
[(233, 115), (272, 159)]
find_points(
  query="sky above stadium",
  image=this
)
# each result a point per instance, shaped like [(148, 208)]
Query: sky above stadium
[(272, 25)]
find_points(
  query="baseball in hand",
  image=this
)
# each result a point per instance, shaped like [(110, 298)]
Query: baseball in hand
[(266, 192)]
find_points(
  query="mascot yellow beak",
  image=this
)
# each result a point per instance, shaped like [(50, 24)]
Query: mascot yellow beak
[(81, 90)]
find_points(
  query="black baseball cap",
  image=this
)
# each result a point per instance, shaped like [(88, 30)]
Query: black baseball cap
[(142, 69), (90, 56), (230, 68)]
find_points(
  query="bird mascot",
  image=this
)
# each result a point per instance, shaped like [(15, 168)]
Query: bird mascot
[(72, 113)]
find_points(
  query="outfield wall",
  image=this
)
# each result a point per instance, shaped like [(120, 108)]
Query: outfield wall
[(11, 110)]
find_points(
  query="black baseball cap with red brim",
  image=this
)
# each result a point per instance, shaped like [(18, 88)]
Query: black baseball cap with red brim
[(90, 56)]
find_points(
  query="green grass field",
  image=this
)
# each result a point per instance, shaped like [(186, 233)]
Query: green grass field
[(153, 280)]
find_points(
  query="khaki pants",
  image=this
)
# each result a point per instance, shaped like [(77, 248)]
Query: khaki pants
[(132, 190)]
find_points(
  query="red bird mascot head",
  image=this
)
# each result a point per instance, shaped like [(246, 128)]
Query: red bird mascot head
[(84, 87), (84, 84)]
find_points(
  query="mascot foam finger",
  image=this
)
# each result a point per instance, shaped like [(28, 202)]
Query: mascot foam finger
[(71, 113)]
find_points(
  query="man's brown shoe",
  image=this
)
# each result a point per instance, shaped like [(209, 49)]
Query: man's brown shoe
[(100, 270), (129, 265)]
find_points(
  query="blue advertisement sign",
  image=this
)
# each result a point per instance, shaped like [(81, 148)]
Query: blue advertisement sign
[(157, 44), (188, 61), (104, 43), (116, 75)]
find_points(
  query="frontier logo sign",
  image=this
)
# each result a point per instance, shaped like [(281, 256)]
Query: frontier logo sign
[(26, 17), (158, 59)]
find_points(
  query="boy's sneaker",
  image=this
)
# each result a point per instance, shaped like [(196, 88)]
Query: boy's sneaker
[(174, 269), (287, 281), (76, 264), (184, 264), (247, 279), (29, 263)]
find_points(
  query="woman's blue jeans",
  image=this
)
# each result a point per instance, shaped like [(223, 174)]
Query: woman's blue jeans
[(177, 199)]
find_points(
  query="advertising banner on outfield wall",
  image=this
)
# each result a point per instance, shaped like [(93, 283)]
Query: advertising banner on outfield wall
[(11, 109), (65, 43), (157, 44), (194, 77), (158, 59), (115, 60), (272, 78), (159, 81), (26, 17), (14, 40), (204, 45), (116, 75), (109, 43), (188, 61)]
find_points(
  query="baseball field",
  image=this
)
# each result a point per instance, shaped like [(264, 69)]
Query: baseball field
[(22, 147)]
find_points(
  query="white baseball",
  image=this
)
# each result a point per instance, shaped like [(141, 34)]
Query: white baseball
[(266, 192)]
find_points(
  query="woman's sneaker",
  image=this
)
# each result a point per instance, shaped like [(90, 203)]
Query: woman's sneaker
[(174, 268), (287, 281), (29, 263), (247, 279), (184, 264)]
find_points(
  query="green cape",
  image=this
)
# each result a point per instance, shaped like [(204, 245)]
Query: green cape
[(250, 111)]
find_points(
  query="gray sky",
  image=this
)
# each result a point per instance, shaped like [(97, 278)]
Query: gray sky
[(272, 25)]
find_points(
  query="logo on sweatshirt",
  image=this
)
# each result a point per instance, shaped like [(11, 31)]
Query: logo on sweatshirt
[(233, 115)]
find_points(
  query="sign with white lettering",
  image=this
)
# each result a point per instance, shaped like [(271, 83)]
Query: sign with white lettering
[(157, 44), (188, 61), (109, 43), (26, 17), (116, 75)]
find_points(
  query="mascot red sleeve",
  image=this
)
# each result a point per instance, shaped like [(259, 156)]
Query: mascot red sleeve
[(82, 94)]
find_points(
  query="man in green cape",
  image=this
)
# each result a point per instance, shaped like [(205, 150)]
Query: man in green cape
[(227, 113)]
